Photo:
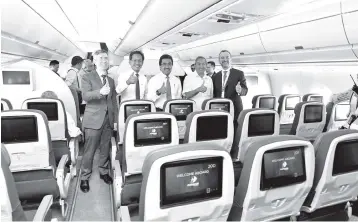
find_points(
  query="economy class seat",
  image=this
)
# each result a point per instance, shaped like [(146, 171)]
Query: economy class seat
[(276, 178), (310, 119), (180, 108), (286, 107), (336, 115), (144, 132), (27, 138), (62, 142), (187, 182), (210, 126), (219, 104), (12, 210), (335, 183), (312, 97), (265, 101)]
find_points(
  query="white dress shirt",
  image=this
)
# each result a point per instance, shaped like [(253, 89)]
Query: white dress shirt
[(195, 81), (128, 92), (72, 79), (72, 129), (224, 81), (156, 83)]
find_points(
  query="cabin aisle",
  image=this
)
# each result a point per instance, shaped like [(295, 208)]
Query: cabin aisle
[(96, 205)]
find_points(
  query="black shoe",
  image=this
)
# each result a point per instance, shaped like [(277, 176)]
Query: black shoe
[(106, 178), (84, 186)]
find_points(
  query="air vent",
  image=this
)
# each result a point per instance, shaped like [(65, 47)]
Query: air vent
[(241, 53), (190, 34), (167, 43), (298, 47), (230, 17), (223, 21)]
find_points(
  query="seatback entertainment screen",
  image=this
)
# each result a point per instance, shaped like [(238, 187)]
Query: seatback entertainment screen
[(282, 167), (191, 180)]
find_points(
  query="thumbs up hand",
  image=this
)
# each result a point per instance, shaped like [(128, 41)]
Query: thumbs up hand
[(132, 79), (202, 88), (238, 88), (162, 89)]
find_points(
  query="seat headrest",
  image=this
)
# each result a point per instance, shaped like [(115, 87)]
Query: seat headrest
[(146, 132), (256, 100), (312, 97), (310, 119), (5, 154), (131, 107), (255, 123), (55, 113), (33, 139), (218, 104), (200, 125)]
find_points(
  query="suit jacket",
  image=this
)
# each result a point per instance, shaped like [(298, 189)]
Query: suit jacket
[(97, 104), (230, 88)]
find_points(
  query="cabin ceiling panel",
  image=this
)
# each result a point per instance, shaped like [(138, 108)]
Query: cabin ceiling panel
[(332, 54), (316, 34), (12, 47), (350, 20), (33, 28), (241, 13), (159, 17), (246, 45), (308, 12), (349, 6)]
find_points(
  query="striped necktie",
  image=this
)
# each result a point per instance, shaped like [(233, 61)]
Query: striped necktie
[(169, 89), (137, 88)]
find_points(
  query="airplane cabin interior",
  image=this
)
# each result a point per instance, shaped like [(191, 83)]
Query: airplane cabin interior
[(179, 110)]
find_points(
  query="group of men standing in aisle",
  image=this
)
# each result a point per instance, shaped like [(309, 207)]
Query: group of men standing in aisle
[(99, 92)]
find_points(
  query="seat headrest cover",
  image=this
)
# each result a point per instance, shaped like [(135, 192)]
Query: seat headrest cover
[(190, 117), (5, 155)]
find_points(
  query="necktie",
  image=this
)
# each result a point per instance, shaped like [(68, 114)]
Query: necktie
[(223, 85), (104, 79), (137, 88), (169, 90)]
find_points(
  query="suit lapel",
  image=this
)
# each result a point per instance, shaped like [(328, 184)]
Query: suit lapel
[(220, 81)]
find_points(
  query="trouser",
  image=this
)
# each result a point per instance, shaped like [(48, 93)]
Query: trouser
[(97, 138), (159, 109)]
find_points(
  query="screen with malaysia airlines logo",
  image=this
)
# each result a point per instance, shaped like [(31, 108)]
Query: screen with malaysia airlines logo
[(191, 181), (282, 167)]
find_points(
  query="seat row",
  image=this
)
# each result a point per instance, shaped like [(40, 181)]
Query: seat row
[(282, 176), (43, 154)]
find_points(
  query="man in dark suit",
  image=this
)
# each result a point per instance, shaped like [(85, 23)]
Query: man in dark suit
[(210, 69), (230, 83), (99, 118)]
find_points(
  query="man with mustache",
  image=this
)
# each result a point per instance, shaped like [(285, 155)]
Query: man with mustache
[(99, 118), (198, 86), (133, 84), (164, 86)]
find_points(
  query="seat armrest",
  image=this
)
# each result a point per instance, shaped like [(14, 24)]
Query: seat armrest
[(44, 208), (124, 214), (74, 149), (63, 178), (118, 181)]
